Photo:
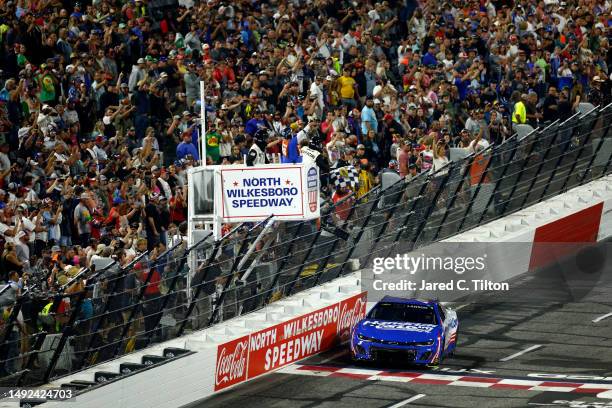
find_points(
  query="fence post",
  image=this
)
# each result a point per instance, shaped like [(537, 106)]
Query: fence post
[(102, 318), (8, 327), (138, 304), (74, 313), (473, 199), (605, 170), (230, 276), (521, 172), (298, 230), (311, 247), (388, 216), (578, 156), (558, 163), (297, 274), (539, 170), (359, 234), (594, 156), (198, 290), (431, 207), (454, 197), (321, 267), (166, 297), (133, 311), (500, 179), (412, 211), (31, 357)]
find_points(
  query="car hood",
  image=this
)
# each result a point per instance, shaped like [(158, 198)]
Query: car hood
[(396, 331)]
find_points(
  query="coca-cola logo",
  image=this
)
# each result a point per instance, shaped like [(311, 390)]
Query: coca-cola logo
[(231, 366), (348, 318)]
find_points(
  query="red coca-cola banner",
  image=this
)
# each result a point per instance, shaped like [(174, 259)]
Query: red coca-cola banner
[(288, 342), (231, 363)]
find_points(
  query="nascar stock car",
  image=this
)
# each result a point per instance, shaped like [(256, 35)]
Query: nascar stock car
[(405, 330)]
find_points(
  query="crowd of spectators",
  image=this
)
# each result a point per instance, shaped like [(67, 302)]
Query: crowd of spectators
[(100, 101)]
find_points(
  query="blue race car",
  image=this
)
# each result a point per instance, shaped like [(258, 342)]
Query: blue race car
[(405, 330)]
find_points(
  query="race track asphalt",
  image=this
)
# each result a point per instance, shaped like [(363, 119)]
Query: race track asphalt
[(557, 325)]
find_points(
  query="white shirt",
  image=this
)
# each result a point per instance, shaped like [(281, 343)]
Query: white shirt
[(100, 262), (166, 187), (41, 235), (303, 134), (315, 90), (5, 163), (482, 143), (309, 155), (100, 153), (348, 41), (261, 156), (438, 163)]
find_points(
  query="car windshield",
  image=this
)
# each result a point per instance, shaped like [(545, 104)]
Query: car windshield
[(403, 312)]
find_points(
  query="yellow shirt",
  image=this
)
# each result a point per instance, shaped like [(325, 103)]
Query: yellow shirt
[(365, 183), (519, 109), (347, 91)]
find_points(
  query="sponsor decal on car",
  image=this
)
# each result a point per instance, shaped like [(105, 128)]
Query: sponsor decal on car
[(412, 327)]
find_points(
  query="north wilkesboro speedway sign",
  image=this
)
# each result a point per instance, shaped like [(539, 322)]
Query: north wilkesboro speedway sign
[(245, 194)]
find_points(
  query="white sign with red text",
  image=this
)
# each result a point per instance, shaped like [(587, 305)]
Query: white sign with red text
[(288, 192), (285, 343)]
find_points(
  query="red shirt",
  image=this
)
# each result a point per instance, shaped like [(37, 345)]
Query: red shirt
[(153, 285), (177, 211), (343, 210)]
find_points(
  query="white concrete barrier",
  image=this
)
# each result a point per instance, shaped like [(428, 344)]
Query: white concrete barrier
[(311, 321), (581, 215), (232, 352)]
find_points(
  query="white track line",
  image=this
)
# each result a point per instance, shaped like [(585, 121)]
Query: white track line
[(520, 353), (600, 318), (461, 307), (408, 401)]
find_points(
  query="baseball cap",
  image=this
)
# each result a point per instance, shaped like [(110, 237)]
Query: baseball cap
[(140, 61), (360, 146)]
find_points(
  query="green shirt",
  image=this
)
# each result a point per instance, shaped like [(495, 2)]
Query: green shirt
[(47, 90), (212, 145)]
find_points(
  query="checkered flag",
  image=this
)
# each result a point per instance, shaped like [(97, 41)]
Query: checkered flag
[(346, 176)]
